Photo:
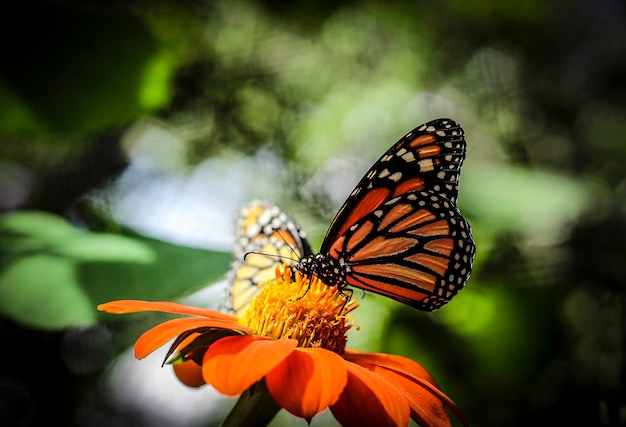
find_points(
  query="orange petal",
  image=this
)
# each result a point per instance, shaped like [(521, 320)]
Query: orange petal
[(427, 409), (233, 364), (135, 306), (161, 334), (308, 381), (391, 361), (427, 401), (369, 400), (189, 373)]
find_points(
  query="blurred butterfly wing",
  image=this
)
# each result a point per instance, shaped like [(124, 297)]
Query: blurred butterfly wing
[(259, 266), (428, 158), (265, 237), (415, 248)]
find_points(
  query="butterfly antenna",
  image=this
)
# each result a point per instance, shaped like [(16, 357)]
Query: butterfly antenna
[(270, 255)]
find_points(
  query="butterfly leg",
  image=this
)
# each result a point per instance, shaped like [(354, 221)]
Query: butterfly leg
[(346, 293), (308, 287)]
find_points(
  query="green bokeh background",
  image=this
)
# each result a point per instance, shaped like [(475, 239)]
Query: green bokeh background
[(284, 101)]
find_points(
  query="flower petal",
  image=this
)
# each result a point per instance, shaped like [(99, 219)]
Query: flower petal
[(162, 333), (308, 381), (233, 364), (369, 400), (135, 306), (391, 361), (189, 373), (427, 401), (427, 409)]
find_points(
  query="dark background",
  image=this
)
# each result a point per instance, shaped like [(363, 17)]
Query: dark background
[(132, 131)]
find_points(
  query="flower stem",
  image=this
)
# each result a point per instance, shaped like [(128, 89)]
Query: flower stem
[(254, 407)]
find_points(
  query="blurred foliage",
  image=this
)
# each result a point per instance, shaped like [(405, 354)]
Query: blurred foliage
[(63, 272), (76, 54), (104, 103)]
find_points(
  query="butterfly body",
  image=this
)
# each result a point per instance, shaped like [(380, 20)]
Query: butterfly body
[(331, 271), (400, 233)]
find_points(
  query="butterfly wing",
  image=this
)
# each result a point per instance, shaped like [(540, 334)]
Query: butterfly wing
[(415, 248), (399, 233), (427, 158), (265, 237)]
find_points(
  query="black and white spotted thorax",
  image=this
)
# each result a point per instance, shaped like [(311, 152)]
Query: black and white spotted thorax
[(330, 271)]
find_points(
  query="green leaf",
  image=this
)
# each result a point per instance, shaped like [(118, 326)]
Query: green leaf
[(176, 271), (53, 275), (43, 226), (509, 198), (106, 248), (42, 291)]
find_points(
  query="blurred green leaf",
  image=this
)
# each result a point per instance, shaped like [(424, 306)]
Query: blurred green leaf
[(42, 291), (176, 272), (53, 275), (16, 116), (154, 90), (509, 198), (110, 248), (37, 225)]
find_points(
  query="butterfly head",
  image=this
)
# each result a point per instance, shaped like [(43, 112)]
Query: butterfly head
[(330, 271)]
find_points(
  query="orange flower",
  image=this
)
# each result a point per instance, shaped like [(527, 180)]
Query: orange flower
[(291, 340)]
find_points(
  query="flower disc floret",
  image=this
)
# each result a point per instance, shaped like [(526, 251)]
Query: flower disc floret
[(305, 309)]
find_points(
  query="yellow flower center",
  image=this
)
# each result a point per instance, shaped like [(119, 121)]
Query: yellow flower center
[(301, 308)]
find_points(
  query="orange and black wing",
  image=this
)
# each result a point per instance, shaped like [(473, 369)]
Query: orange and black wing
[(265, 237), (415, 248), (428, 158), (400, 233)]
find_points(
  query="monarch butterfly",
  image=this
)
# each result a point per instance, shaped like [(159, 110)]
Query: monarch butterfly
[(398, 234)]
